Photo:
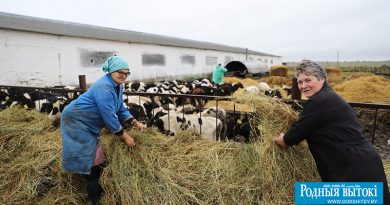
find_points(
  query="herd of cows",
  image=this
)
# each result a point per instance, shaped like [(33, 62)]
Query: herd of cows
[(166, 108)]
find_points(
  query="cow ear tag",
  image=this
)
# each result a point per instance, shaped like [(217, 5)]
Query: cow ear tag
[(25, 106), (7, 98), (239, 121)]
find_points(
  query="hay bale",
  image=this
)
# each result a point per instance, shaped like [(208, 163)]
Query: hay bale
[(278, 81), (333, 70), (279, 70)]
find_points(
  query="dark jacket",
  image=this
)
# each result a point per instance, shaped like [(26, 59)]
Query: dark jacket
[(336, 140)]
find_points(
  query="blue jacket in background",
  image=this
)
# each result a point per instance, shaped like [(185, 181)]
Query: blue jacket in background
[(83, 120)]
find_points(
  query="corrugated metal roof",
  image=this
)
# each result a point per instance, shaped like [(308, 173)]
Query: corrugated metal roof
[(40, 25)]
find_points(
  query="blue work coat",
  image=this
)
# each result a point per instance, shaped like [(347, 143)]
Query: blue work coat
[(83, 120)]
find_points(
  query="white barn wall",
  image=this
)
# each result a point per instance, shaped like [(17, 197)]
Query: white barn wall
[(36, 59), (25, 58)]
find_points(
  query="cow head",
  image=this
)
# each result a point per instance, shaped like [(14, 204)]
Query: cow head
[(55, 113)]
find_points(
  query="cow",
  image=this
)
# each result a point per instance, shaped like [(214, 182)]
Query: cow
[(135, 86), (218, 113), (239, 128), (264, 86), (209, 127), (227, 89), (251, 89), (55, 113)]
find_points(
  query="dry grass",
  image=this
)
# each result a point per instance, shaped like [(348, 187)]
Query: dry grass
[(386, 165), (30, 154), (333, 70), (365, 88), (159, 170), (187, 170), (279, 70)]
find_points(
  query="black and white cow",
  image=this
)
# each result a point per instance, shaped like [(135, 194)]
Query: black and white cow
[(209, 127)]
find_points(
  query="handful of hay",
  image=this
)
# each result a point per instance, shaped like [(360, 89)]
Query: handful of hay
[(179, 170)]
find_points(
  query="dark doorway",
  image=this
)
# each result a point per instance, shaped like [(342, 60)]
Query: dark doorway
[(236, 69)]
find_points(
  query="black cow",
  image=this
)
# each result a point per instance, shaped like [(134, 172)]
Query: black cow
[(228, 89), (239, 128)]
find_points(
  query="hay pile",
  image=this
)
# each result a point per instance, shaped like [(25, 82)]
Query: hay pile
[(386, 165), (333, 70), (245, 82), (186, 170), (159, 170), (30, 154), (365, 88), (278, 70)]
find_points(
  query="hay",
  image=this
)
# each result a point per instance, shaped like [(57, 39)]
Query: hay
[(279, 70), (187, 170), (365, 88), (159, 170), (386, 165), (245, 82), (30, 152), (333, 70)]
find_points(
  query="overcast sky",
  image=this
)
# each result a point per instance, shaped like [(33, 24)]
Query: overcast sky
[(293, 29)]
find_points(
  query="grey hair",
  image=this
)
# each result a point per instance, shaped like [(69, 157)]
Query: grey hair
[(312, 68)]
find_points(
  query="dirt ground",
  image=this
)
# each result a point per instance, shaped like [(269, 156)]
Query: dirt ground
[(382, 131)]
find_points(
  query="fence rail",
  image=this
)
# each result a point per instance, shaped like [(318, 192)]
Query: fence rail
[(383, 70)]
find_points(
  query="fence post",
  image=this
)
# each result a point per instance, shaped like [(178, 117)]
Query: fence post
[(82, 82)]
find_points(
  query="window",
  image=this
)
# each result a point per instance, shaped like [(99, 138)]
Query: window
[(211, 60), (187, 59), (153, 59), (93, 58)]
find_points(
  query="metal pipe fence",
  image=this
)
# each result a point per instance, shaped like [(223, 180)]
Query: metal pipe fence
[(375, 107)]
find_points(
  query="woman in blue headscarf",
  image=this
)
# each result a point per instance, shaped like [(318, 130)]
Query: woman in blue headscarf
[(84, 118)]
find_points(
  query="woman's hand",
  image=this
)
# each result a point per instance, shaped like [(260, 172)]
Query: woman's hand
[(128, 139), (280, 141)]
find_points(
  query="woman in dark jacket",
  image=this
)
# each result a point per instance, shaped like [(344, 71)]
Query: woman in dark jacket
[(332, 131)]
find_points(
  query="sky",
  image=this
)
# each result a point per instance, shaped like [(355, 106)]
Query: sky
[(320, 30)]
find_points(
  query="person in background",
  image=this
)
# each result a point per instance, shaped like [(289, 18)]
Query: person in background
[(84, 118), (333, 133), (218, 74)]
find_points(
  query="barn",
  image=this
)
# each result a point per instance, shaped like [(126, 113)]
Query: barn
[(44, 52)]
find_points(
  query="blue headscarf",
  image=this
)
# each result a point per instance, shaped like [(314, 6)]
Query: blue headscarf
[(114, 63)]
